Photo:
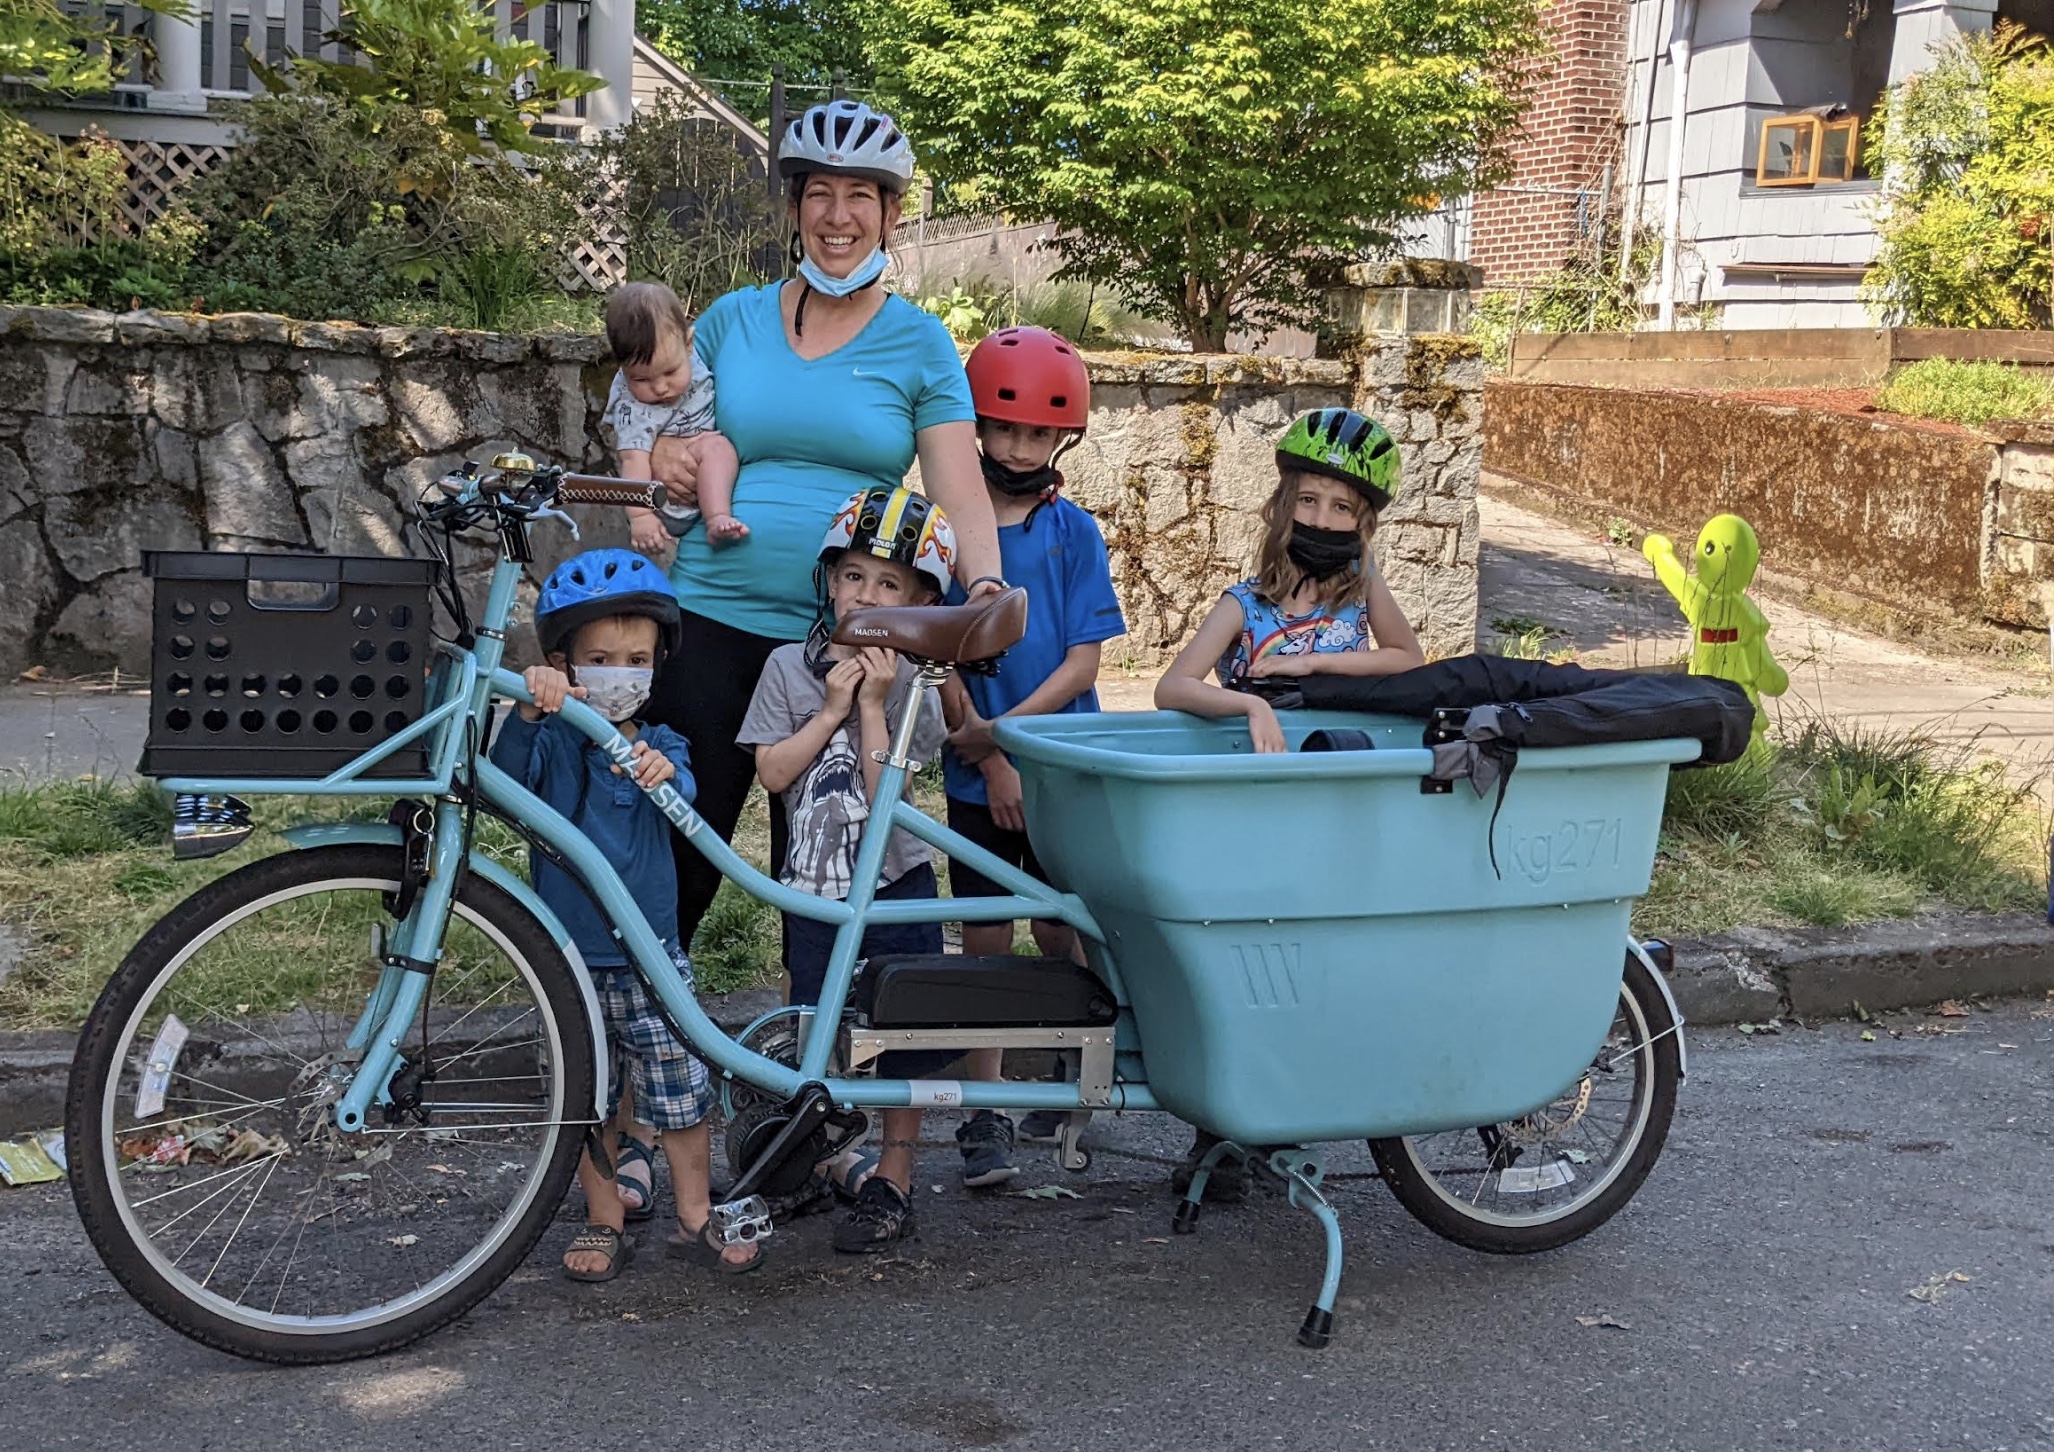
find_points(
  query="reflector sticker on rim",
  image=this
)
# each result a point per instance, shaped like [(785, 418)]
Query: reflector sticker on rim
[(1532, 1179), (164, 1054)]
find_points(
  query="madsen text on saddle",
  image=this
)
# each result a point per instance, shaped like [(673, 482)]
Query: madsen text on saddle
[(332, 1099)]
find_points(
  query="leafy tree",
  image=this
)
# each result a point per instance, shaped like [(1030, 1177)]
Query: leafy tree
[(1207, 159), (740, 40), (64, 51), (1966, 152), (442, 59)]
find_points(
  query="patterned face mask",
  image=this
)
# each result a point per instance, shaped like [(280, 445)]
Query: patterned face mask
[(615, 692)]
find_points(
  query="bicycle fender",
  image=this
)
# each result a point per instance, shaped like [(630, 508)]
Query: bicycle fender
[(384, 834), (1668, 997)]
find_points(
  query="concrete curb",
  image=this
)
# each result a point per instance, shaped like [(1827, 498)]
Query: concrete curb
[(1751, 975)]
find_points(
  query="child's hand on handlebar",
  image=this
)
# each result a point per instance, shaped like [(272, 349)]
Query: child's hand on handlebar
[(1263, 729), (550, 687), (651, 768)]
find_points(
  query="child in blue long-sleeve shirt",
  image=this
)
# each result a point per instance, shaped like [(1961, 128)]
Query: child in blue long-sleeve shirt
[(605, 620)]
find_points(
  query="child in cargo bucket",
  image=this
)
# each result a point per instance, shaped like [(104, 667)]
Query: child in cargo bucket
[(1315, 605), (1033, 401)]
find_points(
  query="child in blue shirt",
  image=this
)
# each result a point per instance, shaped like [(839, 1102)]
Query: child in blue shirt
[(1033, 400), (605, 620)]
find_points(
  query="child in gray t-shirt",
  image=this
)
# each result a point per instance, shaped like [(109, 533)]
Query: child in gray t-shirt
[(663, 389)]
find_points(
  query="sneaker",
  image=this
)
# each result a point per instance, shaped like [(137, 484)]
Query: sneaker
[(880, 1216), (1042, 1126), (1226, 1185), (986, 1141)]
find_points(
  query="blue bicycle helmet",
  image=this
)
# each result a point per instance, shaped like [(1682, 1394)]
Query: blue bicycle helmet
[(598, 585)]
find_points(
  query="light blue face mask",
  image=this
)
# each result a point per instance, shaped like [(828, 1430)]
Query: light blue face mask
[(867, 271)]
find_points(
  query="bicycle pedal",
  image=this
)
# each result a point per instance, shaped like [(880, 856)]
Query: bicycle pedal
[(742, 1222)]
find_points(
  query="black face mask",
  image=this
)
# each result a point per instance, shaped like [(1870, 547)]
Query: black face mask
[(1019, 482), (1323, 552)]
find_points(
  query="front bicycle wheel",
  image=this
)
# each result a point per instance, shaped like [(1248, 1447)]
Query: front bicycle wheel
[(205, 1159), (1553, 1176)]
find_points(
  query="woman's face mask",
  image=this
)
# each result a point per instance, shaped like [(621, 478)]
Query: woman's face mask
[(615, 692)]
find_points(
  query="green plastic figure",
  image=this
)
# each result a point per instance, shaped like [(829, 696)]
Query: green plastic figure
[(1728, 632)]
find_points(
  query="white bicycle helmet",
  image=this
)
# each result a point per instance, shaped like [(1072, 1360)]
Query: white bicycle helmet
[(848, 139)]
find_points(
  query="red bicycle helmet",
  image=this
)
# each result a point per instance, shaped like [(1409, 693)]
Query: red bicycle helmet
[(1030, 376)]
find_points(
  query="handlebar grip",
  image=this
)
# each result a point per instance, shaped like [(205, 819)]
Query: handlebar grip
[(590, 489)]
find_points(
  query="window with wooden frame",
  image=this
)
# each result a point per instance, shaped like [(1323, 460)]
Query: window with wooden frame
[(1806, 150)]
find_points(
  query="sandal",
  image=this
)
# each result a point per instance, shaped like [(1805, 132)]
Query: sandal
[(847, 1172), (701, 1249), (617, 1247), (633, 1152)]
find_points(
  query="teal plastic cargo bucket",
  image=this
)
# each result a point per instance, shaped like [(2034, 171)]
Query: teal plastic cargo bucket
[(1316, 950)]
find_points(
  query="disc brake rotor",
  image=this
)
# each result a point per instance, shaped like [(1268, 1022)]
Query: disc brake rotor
[(1552, 1122)]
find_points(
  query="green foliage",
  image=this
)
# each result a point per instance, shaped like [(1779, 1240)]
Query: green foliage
[(439, 60), (740, 40), (489, 284), (1965, 393), (737, 945), (695, 215), (961, 313), (65, 51), (1208, 159), (1966, 150)]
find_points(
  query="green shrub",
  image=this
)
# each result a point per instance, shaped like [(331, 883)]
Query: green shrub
[(1965, 393), (1737, 800), (1966, 148)]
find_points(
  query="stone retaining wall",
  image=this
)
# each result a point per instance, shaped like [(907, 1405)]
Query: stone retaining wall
[(145, 430), (1920, 518)]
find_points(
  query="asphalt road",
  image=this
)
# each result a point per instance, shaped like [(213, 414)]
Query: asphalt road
[(1812, 1180)]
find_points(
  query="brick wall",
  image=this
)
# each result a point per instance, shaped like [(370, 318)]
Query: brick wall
[(1570, 132)]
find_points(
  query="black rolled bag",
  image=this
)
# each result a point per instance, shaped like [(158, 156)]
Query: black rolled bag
[(1546, 705)]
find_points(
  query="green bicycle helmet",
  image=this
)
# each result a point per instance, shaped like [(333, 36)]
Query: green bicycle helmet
[(1342, 444)]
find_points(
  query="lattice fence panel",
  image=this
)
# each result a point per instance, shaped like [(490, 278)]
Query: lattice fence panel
[(157, 171), (596, 260)]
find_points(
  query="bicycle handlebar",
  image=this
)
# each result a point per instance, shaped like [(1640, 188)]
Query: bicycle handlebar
[(595, 489)]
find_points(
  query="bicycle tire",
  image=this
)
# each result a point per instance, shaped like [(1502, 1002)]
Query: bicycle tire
[(110, 1036), (1656, 1048)]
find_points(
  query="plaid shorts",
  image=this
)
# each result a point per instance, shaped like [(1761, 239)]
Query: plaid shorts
[(671, 1087)]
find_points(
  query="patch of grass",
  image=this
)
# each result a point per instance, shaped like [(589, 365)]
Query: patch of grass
[(1966, 393), (1521, 637), (1835, 826)]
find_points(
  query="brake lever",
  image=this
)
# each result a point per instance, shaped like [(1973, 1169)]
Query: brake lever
[(549, 512)]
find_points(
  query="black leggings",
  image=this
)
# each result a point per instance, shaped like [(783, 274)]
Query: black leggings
[(703, 693)]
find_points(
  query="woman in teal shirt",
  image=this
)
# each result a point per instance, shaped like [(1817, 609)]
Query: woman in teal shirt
[(825, 384)]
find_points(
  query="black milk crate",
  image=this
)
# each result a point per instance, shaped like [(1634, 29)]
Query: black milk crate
[(284, 666)]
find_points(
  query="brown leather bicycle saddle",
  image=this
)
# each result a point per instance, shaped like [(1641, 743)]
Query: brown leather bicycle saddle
[(947, 634)]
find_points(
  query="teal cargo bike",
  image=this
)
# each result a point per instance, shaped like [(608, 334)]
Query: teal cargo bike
[(334, 1098)]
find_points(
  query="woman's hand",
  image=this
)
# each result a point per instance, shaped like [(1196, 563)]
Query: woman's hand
[(1002, 793), (550, 687), (1263, 729), (842, 680), (651, 768), (675, 464), (880, 671)]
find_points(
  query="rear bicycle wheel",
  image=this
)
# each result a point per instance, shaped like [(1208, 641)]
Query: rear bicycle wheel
[(205, 1160), (1556, 1174)]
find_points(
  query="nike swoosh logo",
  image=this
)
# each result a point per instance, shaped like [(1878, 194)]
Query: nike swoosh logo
[(859, 373)]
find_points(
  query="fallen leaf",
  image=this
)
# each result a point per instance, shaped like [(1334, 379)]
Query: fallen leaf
[(1156, 1240), (1861, 1014), (353, 1177), (250, 1145), (1867, 1037), (1936, 1287), (403, 1241), (34, 673), (630, 1316), (1605, 1319), (445, 1170), (1951, 1009), (1746, 1028), (1047, 1192)]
